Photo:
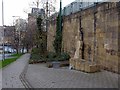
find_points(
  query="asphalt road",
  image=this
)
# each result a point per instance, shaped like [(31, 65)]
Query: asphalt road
[(6, 56)]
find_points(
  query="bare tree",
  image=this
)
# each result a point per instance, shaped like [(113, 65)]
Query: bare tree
[(31, 33), (19, 34)]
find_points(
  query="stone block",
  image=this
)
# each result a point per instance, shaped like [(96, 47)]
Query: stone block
[(72, 63), (82, 67), (78, 65), (92, 68)]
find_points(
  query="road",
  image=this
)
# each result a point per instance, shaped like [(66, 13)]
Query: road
[(6, 56)]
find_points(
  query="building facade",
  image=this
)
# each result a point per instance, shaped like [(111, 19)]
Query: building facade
[(1, 34), (8, 37)]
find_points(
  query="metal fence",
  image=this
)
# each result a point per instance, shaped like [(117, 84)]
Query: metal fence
[(75, 7)]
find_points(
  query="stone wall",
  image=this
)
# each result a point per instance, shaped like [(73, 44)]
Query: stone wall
[(51, 35), (100, 34)]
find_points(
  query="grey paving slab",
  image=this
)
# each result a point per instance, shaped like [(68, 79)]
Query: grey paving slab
[(11, 73), (39, 76)]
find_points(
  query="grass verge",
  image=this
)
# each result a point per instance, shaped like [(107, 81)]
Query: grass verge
[(9, 60)]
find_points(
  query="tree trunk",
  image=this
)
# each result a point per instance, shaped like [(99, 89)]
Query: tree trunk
[(23, 50)]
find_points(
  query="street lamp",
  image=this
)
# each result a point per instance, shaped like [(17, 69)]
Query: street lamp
[(3, 54)]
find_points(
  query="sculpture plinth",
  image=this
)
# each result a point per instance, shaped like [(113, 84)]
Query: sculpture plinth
[(81, 64)]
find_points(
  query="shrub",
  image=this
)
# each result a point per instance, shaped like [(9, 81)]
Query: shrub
[(64, 56), (51, 55), (54, 57), (35, 51), (35, 57)]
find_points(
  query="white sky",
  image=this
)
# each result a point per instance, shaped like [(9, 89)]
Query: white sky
[(17, 8)]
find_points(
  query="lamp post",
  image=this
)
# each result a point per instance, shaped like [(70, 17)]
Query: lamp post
[(3, 54)]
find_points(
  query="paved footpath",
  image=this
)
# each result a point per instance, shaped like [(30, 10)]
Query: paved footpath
[(11, 73), (39, 76)]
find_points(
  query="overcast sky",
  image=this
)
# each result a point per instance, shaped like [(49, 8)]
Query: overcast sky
[(17, 8)]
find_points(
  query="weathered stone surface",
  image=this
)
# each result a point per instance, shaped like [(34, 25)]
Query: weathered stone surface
[(92, 68), (50, 37), (103, 40)]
